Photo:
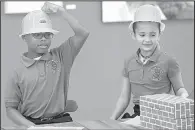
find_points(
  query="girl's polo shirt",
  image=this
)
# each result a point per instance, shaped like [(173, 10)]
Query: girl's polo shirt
[(152, 77)]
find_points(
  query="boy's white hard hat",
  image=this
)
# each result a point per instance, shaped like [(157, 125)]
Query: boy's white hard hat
[(36, 22), (149, 13)]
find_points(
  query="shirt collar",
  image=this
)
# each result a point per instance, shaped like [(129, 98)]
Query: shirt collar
[(28, 61), (155, 55)]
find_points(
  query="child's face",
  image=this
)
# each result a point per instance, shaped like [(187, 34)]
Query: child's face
[(38, 43), (147, 34)]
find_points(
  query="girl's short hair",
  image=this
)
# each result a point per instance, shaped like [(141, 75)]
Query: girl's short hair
[(134, 26)]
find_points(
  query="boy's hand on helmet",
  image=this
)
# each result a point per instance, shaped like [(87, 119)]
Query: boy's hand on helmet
[(51, 8)]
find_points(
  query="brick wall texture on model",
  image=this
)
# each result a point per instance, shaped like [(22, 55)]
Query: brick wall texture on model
[(166, 112)]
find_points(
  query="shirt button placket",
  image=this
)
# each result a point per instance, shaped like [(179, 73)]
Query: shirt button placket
[(142, 72), (41, 74), (41, 68)]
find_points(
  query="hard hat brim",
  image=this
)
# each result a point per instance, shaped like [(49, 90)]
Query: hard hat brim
[(162, 25), (40, 31)]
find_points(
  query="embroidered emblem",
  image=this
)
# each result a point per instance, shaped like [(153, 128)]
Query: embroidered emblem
[(54, 65), (42, 21), (156, 73)]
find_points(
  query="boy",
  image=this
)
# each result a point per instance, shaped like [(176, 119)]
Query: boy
[(148, 71), (37, 89)]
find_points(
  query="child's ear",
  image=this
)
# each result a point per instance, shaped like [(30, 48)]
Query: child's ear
[(133, 36), (24, 38), (160, 34)]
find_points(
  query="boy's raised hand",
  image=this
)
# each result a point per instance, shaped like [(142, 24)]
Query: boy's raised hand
[(51, 8)]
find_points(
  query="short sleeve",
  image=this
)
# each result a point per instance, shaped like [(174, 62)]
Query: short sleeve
[(67, 51), (173, 68), (125, 72), (12, 95)]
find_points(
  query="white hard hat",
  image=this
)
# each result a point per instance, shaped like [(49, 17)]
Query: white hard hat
[(149, 13), (35, 22)]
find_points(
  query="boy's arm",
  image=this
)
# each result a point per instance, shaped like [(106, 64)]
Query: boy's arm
[(12, 99), (18, 118), (123, 100), (81, 33)]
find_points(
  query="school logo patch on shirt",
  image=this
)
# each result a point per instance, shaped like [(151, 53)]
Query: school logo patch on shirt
[(156, 73), (54, 65), (42, 21)]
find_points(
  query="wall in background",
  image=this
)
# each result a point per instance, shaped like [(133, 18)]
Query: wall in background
[(96, 73)]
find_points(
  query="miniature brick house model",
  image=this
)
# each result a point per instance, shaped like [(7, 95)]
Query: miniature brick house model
[(166, 112)]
